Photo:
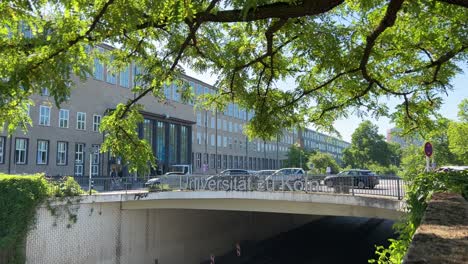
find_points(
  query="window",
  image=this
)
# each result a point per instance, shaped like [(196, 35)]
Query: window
[(62, 153), (213, 121), (225, 125), (96, 122), (79, 159), (199, 119), (98, 68), (198, 160), (81, 121), (96, 160), (225, 142), (110, 77), (212, 161), (21, 150), (44, 115), (42, 152), (2, 149), (199, 138), (168, 92), (64, 116), (45, 92), (219, 161), (212, 139), (125, 77), (176, 93), (219, 124), (230, 126), (218, 142)]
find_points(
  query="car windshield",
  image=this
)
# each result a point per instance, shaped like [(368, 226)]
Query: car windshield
[(179, 168)]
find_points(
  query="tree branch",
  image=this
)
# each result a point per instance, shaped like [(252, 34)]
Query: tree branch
[(275, 10), (462, 3), (389, 20)]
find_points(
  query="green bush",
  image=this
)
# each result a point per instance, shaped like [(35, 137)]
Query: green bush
[(66, 188), (159, 188), (391, 170), (419, 192), (19, 197)]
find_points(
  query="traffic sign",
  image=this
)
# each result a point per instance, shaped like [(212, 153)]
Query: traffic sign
[(428, 149)]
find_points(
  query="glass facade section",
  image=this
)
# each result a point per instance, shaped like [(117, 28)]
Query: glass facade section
[(160, 141), (184, 138), (172, 143), (125, 77), (148, 131)]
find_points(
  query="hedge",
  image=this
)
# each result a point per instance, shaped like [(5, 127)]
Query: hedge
[(19, 197)]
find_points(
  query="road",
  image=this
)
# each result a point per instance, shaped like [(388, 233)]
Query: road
[(330, 240)]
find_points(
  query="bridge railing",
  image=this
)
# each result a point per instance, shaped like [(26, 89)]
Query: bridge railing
[(352, 185)]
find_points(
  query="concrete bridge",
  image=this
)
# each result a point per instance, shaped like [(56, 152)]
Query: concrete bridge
[(181, 226), (271, 202)]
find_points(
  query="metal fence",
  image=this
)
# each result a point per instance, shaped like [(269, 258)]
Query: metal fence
[(352, 185)]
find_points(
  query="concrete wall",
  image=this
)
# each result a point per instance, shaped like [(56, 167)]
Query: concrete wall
[(442, 236), (104, 233)]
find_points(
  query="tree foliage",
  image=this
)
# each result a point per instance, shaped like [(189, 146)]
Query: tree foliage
[(298, 157), (368, 147), (343, 56), (419, 191), (439, 138), (19, 197), (319, 162)]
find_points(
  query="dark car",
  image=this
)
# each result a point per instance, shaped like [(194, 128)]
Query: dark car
[(358, 178), (234, 172)]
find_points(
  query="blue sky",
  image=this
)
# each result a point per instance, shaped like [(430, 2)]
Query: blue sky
[(347, 126)]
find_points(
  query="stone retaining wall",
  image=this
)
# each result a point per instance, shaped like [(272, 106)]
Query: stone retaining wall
[(442, 236)]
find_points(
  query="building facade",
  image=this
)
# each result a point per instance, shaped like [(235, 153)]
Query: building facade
[(66, 140)]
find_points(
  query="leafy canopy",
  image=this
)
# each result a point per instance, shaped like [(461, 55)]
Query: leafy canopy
[(343, 57), (320, 161), (368, 147)]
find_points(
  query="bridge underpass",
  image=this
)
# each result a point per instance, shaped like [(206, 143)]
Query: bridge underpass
[(181, 227)]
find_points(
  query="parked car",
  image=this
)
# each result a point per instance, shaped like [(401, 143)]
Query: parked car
[(353, 177), (171, 178), (285, 175), (234, 172), (238, 174), (264, 173)]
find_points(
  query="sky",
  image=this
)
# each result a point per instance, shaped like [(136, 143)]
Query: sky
[(347, 126)]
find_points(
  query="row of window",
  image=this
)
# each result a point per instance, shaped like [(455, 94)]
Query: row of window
[(312, 135), (64, 118), (42, 154), (225, 125), (202, 162)]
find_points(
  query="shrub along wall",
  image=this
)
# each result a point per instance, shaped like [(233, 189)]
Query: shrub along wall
[(418, 193), (19, 197)]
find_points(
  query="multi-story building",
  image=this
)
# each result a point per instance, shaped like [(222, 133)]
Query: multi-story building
[(65, 140), (394, 137), (313, 140)]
